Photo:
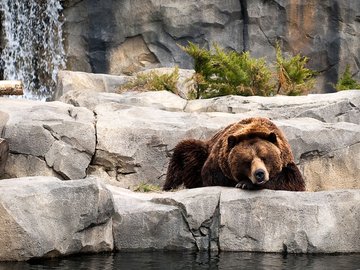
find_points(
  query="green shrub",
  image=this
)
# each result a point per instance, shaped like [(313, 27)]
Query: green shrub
[(153, 81), (220, 73), (346, 81), (293, 77), (144, 187)]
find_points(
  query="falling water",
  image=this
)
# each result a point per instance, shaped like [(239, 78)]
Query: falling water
[(34, 50)]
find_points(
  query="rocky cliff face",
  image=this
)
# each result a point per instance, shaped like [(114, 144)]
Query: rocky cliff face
[(125, 36)]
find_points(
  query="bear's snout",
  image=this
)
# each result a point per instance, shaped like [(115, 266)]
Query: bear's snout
[(259, 174)]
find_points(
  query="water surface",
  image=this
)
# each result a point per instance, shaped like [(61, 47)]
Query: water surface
[(191, 260)]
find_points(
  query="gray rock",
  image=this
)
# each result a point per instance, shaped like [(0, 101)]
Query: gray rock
[(93, 218), (47, 217), (187, 219), (20, 165), (280, 221), (342, 106), (327, 153), (141, 224), (229, 219), (163, 100), (337, 169), (121, 36), (87, 82), (201, 212), (48, 138), (4, 153), (105, 30)]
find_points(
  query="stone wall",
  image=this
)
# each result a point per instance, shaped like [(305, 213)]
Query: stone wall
[(124, 36)]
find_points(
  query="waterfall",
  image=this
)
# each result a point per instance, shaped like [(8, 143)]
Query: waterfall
[(33, 51)]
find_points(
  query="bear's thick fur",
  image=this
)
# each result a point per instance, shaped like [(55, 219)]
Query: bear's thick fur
[(250, 154)]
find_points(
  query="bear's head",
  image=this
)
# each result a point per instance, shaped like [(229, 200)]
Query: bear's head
[(255, 157)]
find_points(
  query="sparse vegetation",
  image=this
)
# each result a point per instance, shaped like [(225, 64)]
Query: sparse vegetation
[(219, 72), (153, 81), (292, 75), (144, 187), (346, 81)]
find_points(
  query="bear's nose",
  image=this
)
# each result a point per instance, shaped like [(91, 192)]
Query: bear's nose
[(260, 175)]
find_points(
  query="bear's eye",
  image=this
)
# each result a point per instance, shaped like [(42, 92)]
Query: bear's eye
[(246, 163), (265, 159)]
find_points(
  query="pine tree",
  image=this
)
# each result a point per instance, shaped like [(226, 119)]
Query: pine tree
[(346, 81), (293, 77), (220, 73)]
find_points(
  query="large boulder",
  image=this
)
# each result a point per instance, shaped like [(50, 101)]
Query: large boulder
[(53, 138), (87, 82), (140, 223), (281, 221), (47, 217), (119, 37), (228, 219)]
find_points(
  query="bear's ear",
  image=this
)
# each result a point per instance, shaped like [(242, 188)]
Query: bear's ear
[(232, 140), (272, 137)]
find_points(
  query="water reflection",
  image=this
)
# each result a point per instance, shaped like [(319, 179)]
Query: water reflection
[(189, 260)]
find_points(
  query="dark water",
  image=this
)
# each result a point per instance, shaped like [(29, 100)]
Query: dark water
[(188, 260)]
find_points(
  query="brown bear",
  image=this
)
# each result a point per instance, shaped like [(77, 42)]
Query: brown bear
[(250, 154)]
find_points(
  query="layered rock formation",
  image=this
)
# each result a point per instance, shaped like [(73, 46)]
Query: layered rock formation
[(234, 220), (124, 140), (121, 37), (127, 139), (45, 217)]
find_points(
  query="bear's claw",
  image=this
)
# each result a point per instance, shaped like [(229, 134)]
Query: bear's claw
[(244, 185)]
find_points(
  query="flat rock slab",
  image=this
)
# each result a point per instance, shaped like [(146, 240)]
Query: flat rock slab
[(342, 106), (163, 100), (228, 219), (47, 217)]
